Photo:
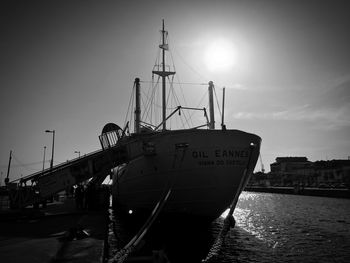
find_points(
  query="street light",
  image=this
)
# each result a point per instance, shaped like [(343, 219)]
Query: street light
[(53, 145), (78, 152), (44, 158)]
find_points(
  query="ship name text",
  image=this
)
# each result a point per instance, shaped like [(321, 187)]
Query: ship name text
[(235, 157), (221, 153)]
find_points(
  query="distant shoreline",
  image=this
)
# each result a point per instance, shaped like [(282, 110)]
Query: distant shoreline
[(337, 193)]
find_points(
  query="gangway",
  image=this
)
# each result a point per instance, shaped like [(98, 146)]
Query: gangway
[(39, 186)]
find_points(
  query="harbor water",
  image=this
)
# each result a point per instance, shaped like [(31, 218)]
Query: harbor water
[(269, 228), (288, 228)]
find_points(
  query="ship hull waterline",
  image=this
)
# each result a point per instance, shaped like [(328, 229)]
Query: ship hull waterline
[(203, 169)]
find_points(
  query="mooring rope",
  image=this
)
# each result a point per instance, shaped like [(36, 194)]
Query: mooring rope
[(229, 220), (123, 253)]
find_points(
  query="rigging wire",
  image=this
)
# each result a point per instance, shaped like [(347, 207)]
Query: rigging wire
[(157, 105), (144, 100), (130, 102), (187, 119), (217, 103), (25, 166), (206, 106), (156, 62), (187, 64), (132, 116), (147, 106), (154, 115), (183, 83), (171, 90), (178, 102)]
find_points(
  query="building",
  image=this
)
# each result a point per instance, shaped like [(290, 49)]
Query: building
[(299, 171), (288, 171), (334, 173)]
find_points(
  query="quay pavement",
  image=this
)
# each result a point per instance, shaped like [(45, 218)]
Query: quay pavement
[(57, 233)]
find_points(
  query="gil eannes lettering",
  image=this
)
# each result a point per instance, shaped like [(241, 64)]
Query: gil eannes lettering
[(231, 157), (218, 153), (231, 153)]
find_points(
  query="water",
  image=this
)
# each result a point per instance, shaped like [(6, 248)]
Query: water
[(275, 228), (288, 228)]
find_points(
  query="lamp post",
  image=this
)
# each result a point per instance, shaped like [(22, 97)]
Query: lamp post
[(44, 158), (78, 152), (53, 146)]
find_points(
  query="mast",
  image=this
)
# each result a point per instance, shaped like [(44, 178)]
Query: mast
[(163, 73), (211, 106), (137, 106), (7, 179), (163, 80), (223, 110)]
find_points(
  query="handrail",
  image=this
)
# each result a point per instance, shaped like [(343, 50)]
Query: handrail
[(54, 168)]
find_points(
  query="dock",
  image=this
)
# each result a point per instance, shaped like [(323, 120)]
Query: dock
[(57, 233), (308, 191)]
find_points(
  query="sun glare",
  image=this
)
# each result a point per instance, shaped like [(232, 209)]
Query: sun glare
[(220, 55)]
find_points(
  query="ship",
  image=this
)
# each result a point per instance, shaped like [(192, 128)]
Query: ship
[(197, 171)]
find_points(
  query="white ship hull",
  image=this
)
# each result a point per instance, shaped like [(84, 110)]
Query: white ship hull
[(203, 169)]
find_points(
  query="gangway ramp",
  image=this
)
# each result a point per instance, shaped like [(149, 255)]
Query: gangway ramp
[(44, 184)]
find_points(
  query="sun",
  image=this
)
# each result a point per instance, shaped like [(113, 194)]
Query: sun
[(220, 55)]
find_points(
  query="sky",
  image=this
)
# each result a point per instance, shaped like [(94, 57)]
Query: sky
[(70, 66)]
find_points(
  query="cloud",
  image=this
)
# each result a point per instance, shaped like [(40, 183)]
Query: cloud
[(236, 86), (337, 95), (327, 118), (329, 109)]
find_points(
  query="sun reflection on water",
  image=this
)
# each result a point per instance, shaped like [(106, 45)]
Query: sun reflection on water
[(248, 219)]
